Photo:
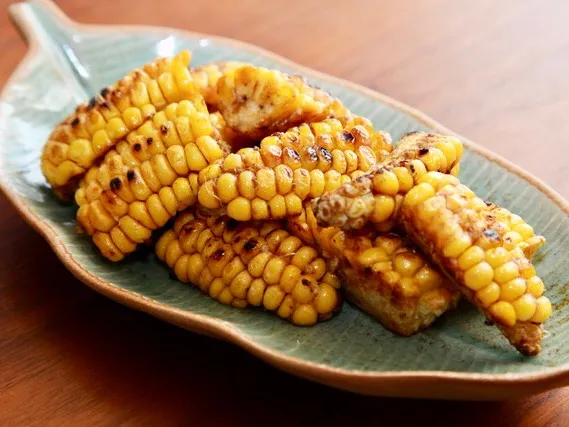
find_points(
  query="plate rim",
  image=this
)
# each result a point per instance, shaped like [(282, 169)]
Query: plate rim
[(541, 380)]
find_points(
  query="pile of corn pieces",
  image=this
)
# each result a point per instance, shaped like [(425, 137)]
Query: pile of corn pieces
[(268, 191)]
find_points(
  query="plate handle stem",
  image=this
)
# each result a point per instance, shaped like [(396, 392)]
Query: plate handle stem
[(47, 29)]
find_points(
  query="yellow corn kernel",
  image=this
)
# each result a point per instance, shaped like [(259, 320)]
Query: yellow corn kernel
[(273, 297), (304, 315), (497, 257), (535, 286), (503, 312), (418, 194), (457, 246), (383, 209), (478, 276), (407, 263), (543, 310), (525, 307), (506, 272), (512, 290), (489, 294), (386, 183), (471, 257)]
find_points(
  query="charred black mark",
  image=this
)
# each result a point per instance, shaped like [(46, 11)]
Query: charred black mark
[(412, 167), (347, 136), (326, 155), (491, 234), (105, 104), (105, 91), (232, 224), (137, 147), (92, 102), (149, 140), (187, 228), (423, 151), (250, 245), (306, 282), (218, 254), (163, 129), (488, 203), (312, 155), (410, 133), (130, 175), (293, 154), (115, 184), (75, 122)]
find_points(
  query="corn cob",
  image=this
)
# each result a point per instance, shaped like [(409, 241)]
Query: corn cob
[(96, 126), (485, 249), (382, 274), (257, 264), (376, 196), (150, 176), (206, 78), (257, 102), (271, 181)]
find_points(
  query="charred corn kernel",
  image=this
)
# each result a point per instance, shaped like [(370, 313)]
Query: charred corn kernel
[(251, 263), (286, 169), (257, 102), (96, 126), (366, 199), (495, 272), (148, 177), (381, 273)]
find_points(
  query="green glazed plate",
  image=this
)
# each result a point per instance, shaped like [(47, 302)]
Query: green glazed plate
[(459, 357)]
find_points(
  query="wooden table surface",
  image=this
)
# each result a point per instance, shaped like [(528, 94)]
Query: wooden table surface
[(495, 71)]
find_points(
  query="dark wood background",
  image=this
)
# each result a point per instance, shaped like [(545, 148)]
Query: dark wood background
[(495, 71)]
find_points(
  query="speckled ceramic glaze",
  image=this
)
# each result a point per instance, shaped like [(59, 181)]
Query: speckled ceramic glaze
[(459, 357)]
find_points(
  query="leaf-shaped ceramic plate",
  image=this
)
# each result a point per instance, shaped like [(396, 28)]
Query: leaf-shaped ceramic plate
[(459, 357)]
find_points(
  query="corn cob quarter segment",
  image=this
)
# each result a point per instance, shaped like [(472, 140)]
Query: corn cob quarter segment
[(272, 181), (376, 196), (206, 78), (382, 274), (257, 101), (150, 176), (95, 127), (485, 249), (258, 264)]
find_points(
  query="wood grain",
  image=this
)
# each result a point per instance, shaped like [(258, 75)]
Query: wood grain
[(497, 72)]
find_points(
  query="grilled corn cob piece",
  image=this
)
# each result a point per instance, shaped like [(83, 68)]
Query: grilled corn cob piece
[(257, 102), (95, 127), (382, 274), (376, 196), (257, 264), (271, 181), (150, 176), (482, 247), (206, 78)]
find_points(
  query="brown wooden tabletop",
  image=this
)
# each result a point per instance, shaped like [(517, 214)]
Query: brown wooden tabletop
[(494, 71)]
